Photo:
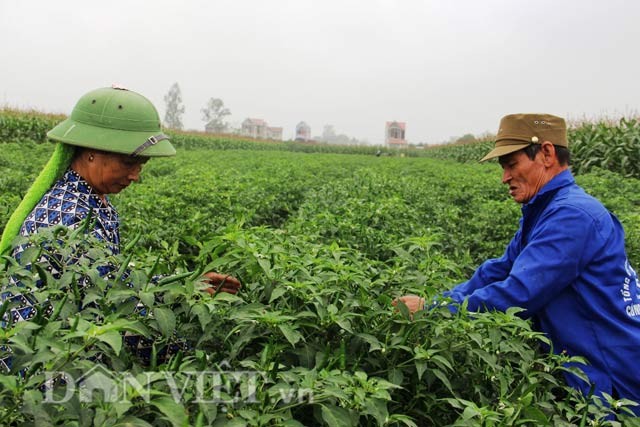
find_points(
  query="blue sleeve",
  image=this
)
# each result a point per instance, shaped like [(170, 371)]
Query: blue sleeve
[(551, 261), (490, 271)]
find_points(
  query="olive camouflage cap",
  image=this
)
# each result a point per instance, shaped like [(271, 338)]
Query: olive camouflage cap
[(518, 131), (116, 120)]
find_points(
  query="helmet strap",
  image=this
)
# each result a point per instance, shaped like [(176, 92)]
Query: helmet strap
[(153, 140)]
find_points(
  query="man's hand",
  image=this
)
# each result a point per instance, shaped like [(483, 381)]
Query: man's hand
[(221, 283), (413, 302)]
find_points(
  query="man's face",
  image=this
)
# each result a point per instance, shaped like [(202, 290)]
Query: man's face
[(525, 177)]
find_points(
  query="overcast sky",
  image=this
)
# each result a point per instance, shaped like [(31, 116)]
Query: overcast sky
[(445, 67)]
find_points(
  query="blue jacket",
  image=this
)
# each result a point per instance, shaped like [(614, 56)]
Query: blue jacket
[(567, 267)]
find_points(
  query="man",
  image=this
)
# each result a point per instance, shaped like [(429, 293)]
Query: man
[(566, 265)]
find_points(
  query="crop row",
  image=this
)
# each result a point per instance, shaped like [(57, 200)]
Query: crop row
[(322, 243), (603, 144)]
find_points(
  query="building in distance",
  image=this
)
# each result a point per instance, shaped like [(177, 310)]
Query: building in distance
[(395, 135), (254, 128), (274, 133), (259, 129), (303, 132)]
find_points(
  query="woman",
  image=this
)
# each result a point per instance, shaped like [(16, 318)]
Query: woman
[(101, 149)]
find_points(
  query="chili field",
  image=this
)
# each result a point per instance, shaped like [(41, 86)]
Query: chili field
[(322, 243)]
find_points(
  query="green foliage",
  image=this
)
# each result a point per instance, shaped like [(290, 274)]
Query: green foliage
[(312, 338), (464, 153), (197, 141), (605, 145), (17, 125), (613, 146), (21, 163), (322, 244)]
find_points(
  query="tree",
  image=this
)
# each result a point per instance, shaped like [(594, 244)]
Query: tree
[(175, 109), (213, 115), (466, 139)]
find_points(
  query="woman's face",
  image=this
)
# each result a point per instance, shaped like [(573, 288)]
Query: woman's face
[(110, 173)]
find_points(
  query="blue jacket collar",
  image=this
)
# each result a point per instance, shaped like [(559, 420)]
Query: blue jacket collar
[(562, 179)]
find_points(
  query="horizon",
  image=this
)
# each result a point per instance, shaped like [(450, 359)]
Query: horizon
[(446, 69)]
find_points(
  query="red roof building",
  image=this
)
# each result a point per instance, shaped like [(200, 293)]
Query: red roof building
[(274, 133), (255, 128), (394, 134)]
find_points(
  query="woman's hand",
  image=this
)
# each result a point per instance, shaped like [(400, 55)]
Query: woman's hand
[(221, 283)]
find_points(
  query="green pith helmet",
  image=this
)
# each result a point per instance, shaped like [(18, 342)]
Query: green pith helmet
[(116, 120)]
